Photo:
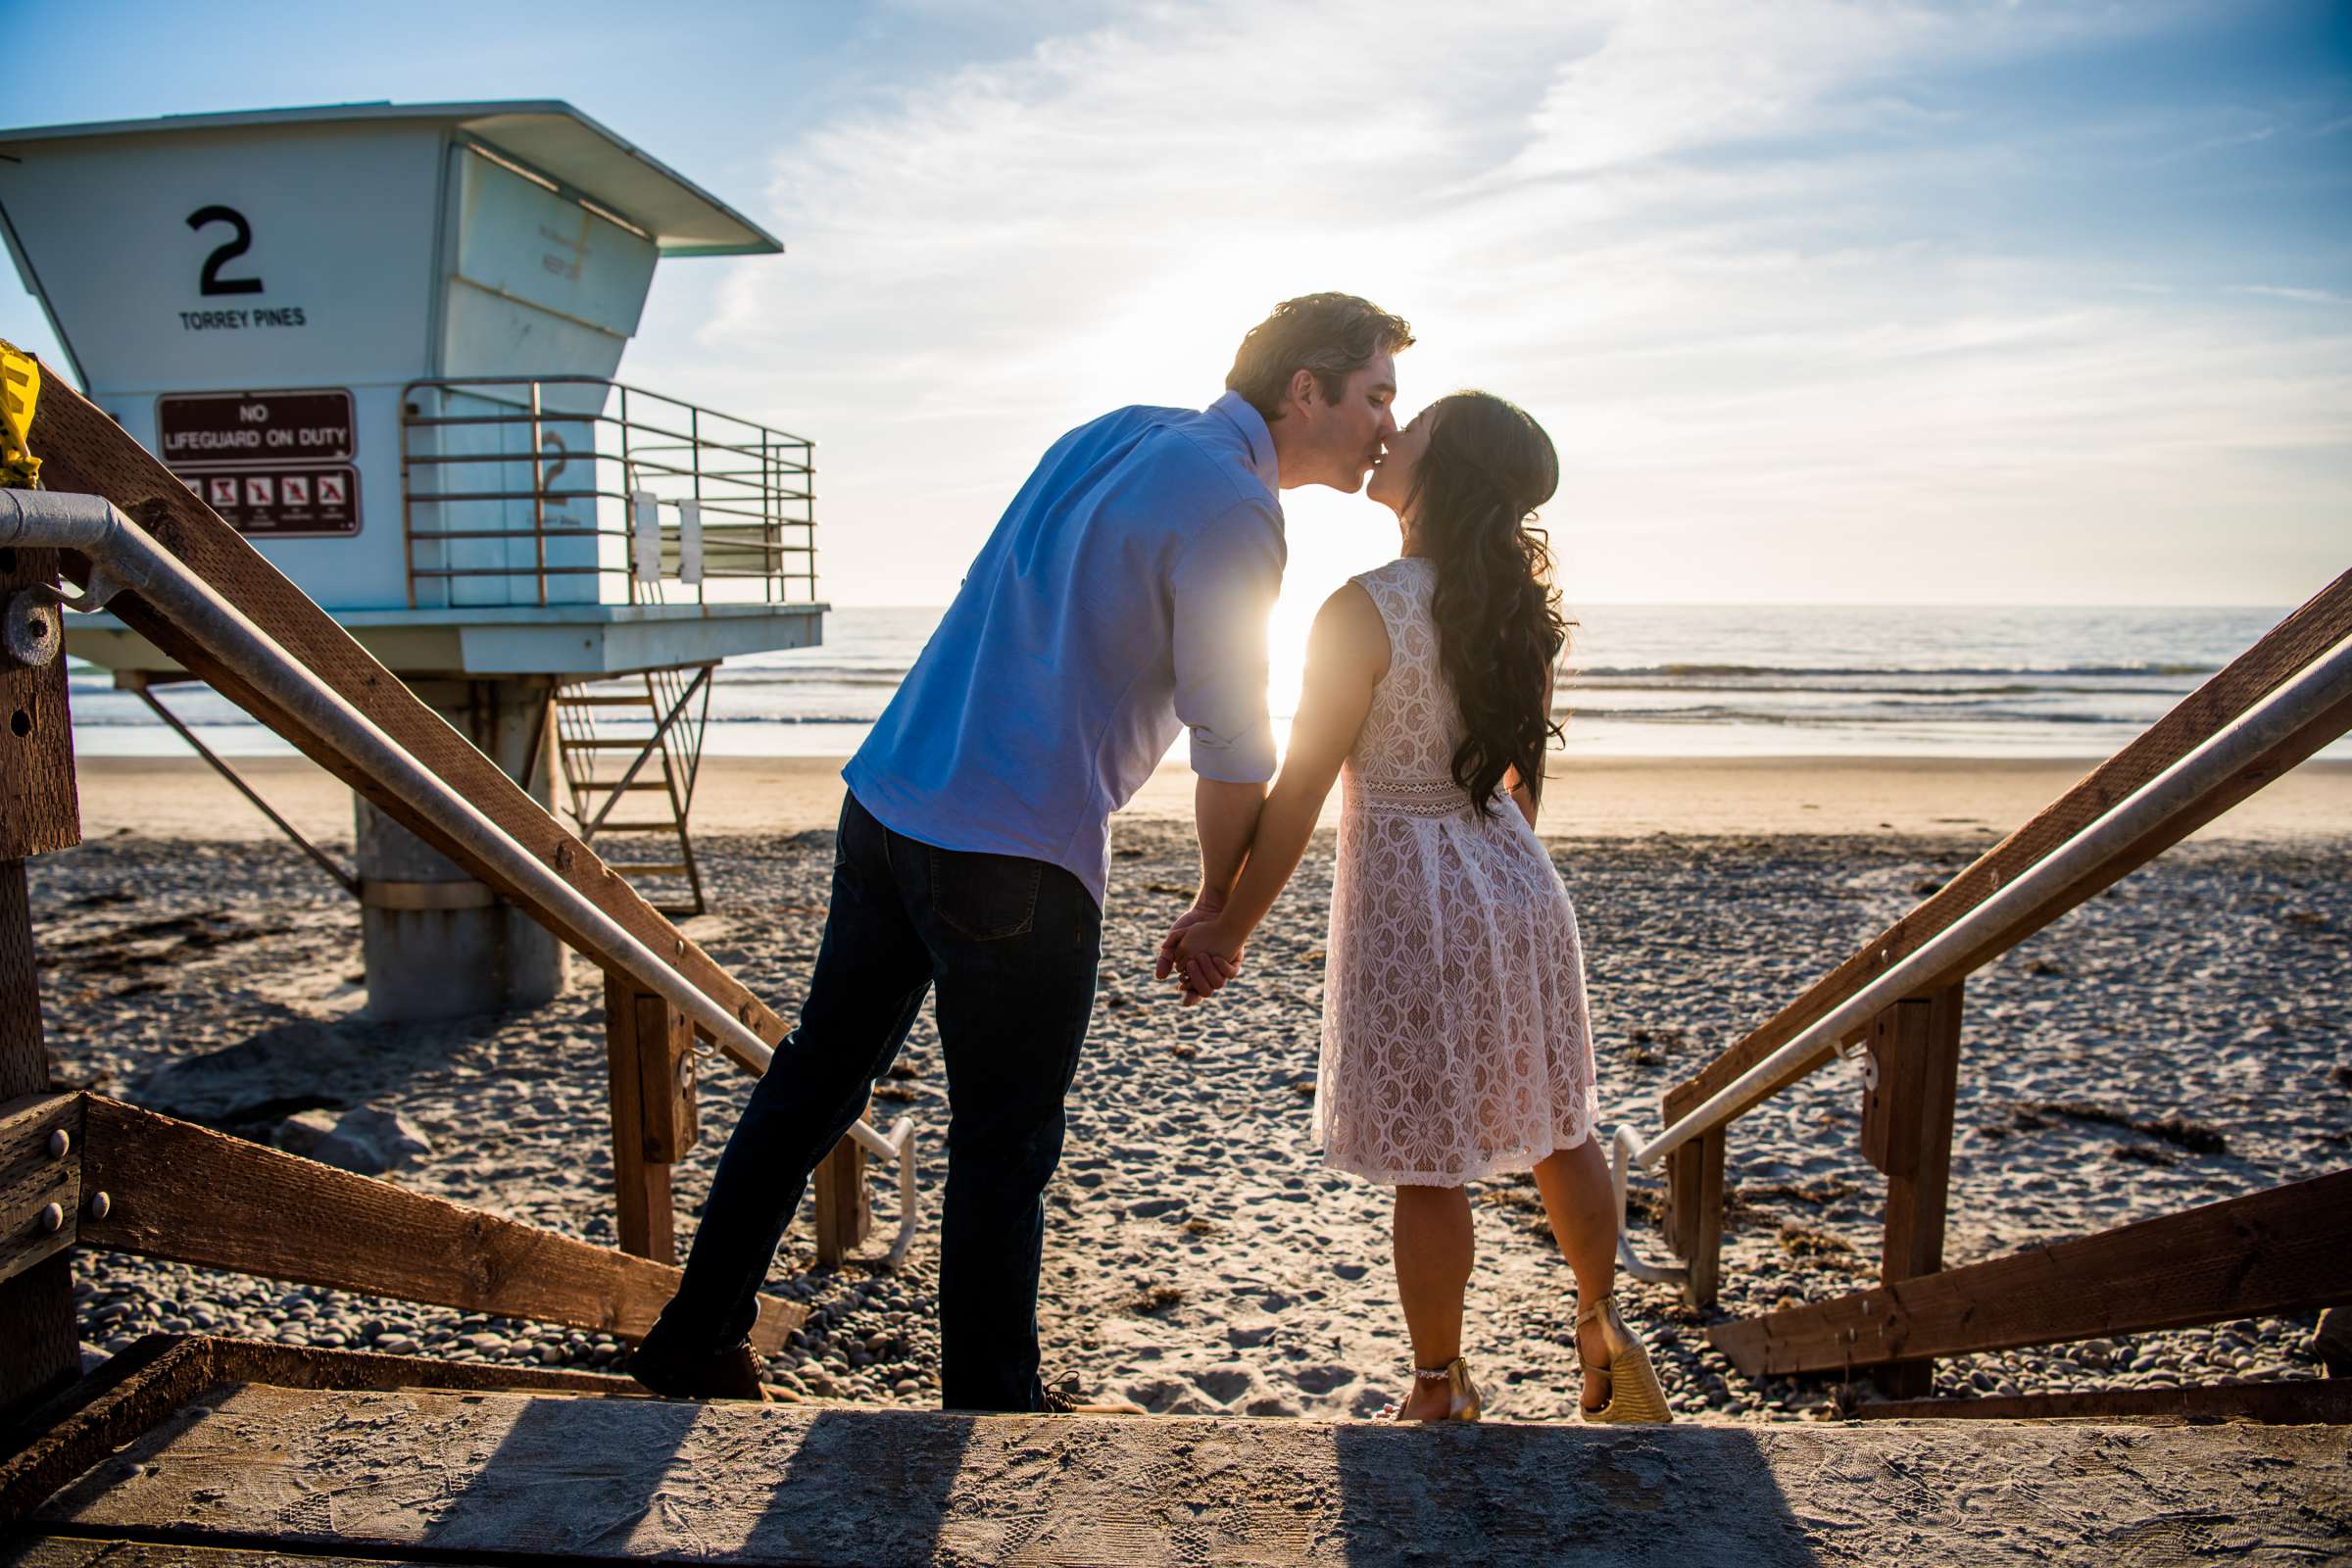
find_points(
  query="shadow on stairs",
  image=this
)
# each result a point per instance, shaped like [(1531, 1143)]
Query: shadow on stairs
[(219, 1453)]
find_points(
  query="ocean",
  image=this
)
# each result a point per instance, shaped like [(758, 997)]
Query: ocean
[(1644, 680)]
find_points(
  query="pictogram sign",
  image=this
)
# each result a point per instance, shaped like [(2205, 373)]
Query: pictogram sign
[(275, 464)]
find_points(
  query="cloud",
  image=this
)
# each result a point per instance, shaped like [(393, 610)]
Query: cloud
[(1704, 242), (2307, 296)]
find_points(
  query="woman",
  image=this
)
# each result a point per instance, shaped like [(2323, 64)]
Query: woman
[(1456, 1043)]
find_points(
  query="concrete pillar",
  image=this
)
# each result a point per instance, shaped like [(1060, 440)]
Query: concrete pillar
[(438, 944)]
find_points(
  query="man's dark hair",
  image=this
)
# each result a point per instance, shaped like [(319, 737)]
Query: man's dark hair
[(1334, 335)]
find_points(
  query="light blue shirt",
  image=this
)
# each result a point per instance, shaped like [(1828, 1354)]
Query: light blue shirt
[(1123, 596)]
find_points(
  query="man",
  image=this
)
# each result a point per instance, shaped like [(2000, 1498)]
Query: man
[(1122, 596)]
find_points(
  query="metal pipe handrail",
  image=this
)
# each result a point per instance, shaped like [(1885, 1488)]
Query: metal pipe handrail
[(603, 381), (727, 508), (755, 483), (421, 421), (686, 440), (741, 537), (2322, 684), (124, 555)]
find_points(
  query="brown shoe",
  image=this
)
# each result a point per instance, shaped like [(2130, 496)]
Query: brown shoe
[(731, 1374)]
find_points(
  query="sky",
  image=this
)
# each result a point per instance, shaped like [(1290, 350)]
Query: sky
[(1821, 302)]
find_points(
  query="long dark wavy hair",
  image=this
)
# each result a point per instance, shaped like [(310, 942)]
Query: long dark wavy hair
[(1486, 469)]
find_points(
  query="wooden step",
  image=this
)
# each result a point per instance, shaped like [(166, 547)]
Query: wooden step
[(641, 699), (456, 1476), (668, 826), (648, 867), (638, 744)]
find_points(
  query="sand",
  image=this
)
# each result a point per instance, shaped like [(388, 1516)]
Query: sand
[(1198, 1259), (179, 798)]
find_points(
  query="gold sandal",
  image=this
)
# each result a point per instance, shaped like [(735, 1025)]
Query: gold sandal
[(1635, 1395), (1466, 1401)]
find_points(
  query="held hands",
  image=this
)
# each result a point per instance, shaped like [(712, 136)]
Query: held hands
[(1198, 953)]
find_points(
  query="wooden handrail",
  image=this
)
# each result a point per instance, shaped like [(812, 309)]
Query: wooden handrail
[(83, 450), (2321, 622)]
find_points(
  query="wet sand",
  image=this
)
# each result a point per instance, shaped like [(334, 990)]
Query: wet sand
[(179, 798)]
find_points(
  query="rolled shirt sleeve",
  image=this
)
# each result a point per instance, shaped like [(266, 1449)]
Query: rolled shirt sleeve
[(1223, 587)]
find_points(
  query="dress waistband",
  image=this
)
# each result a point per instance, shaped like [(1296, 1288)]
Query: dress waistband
[(1394, 797)]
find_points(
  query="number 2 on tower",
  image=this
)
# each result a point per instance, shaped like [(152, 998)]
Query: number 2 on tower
[(210, 281)]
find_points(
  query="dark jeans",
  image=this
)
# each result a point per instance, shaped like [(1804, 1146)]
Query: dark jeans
[(1012, 946)]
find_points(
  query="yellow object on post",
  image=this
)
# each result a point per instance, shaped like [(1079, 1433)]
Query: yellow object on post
[(20, 391)]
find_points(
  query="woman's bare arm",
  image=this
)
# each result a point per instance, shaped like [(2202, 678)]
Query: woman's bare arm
[(1347, 657)]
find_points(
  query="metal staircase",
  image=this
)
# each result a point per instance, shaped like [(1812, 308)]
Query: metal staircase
[(603, 721)]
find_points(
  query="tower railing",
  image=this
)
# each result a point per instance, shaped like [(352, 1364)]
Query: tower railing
[(574, 489)]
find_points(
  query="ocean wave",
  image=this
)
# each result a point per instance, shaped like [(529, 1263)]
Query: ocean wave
[(1840, 719), (823, 676), (1747, 679), (1914, 687), (1695, 672)]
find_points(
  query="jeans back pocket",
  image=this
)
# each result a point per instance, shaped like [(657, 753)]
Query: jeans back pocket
[(985, 897)]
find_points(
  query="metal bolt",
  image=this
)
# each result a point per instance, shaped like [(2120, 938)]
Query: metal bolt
[(52, 1218), (34, 633), (99, 1205), (685, 1072), (60, 1142)]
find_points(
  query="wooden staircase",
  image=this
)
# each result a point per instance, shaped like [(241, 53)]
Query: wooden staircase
[(228, 1454)]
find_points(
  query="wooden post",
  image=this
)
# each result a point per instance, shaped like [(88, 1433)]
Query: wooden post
[(40, 812), (1706, 1245), (1681, 1187), (1907, 1133), (843, 1213), (649, 1049), (1695, 1213)]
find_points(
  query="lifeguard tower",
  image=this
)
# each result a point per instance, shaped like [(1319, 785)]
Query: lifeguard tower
[(379, 339)]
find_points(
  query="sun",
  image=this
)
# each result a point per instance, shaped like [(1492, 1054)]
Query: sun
[(1168, 336), (1332, 538)]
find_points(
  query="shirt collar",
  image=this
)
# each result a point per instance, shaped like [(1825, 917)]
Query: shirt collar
[(1256, 439)]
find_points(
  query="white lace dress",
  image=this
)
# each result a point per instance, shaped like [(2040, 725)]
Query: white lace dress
[(1455, 1042)]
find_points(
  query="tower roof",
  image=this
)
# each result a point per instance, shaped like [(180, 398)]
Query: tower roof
[(545, 136)]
